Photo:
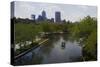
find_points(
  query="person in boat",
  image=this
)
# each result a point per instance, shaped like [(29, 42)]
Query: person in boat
[(63, 44)]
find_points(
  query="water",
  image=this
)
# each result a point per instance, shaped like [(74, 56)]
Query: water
[(53, 52)]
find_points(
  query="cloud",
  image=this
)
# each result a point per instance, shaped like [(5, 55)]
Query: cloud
[(68, 12)]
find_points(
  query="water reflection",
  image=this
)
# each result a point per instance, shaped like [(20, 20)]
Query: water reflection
[(58, 49)]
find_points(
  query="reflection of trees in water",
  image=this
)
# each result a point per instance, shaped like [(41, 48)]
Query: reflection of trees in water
[(47, 47), (74, 59), (33, 58), (24, 60), (65, 36), (70, 38), (37, 59), (53, 37), (62, 38)]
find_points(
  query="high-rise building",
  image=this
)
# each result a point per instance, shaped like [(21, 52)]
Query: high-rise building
[(33, 17), (52, 19), (39, 18), (57, 17), (44, 15)]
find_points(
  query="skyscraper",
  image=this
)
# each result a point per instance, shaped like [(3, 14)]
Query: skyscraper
[(52, 19), (57, 17), (33, 17), (40, 18), (44, 15)]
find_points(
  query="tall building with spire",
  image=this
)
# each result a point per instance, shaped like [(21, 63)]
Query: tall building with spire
[(44, 15)]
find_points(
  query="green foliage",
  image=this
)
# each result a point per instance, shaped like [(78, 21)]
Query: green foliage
[(87, 25), (91, 46), (24, 32), (86, 28), (51, 27)]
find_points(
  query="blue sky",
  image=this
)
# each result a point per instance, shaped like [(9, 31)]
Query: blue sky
[(68, 12)]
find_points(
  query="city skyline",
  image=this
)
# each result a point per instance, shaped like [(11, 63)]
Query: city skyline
[(42, 17), (68, 12)]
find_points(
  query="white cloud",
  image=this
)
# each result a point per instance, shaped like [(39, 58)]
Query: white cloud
[(68, 12)]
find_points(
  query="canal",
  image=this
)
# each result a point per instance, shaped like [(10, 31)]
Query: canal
[(58, 49)]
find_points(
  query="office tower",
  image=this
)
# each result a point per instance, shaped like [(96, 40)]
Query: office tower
[(52, 19), (40, 18), (33, 17), (44, 15), (57, 17)]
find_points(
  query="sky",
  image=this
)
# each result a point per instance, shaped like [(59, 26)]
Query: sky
[(68, 12)]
